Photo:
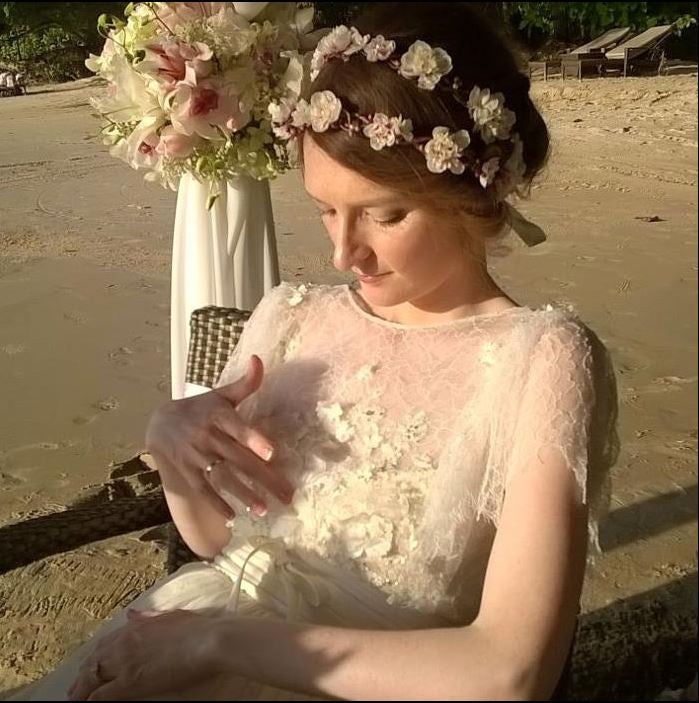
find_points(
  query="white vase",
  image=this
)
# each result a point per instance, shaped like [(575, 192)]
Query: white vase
[(225, 256)]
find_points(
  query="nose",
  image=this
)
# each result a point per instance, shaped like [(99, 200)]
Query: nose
[(350, 250)]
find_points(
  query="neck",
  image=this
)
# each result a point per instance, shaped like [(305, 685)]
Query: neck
[(468, 292)]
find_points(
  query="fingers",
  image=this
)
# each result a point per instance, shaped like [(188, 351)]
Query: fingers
[(231, 424), (226, 484), (195, 476), (89, 679), (246, 385), (240, 459)]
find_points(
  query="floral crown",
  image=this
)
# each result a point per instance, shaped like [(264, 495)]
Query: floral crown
[(498, 162)]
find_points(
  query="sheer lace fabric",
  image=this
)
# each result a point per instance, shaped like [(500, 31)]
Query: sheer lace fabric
[(401, 440)]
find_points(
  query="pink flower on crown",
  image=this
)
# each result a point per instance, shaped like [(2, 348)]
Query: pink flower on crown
[(341, 42), (383, 131)]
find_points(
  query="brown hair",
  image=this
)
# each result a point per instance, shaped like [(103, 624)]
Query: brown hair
[(481, 57)]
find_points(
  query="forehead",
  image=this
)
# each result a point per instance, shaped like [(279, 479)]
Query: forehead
[(329, 181)]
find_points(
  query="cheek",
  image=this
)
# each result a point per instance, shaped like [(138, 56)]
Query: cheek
[(421, 246)]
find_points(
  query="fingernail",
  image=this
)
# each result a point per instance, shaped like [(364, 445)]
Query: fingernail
[(269, 453)]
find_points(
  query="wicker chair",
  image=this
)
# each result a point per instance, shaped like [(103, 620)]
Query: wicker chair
[(627, 651)]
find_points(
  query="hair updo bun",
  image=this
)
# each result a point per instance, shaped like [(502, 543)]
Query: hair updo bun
[(480, 57)]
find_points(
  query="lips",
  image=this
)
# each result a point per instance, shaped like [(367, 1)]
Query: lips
[(373, 278)]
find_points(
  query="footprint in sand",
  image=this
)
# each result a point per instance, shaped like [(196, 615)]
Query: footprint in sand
[(76, 317), (83, 420), (661, 384), (107, 404), (119, 356), (8, 481), (672, 383)]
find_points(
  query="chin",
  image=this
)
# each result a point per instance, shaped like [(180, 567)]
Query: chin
[(385, 294)]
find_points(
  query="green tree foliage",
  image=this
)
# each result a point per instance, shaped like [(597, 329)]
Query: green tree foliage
[(51, 40), (572, 21)]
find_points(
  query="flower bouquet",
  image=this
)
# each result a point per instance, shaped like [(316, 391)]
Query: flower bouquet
[(190, 84)]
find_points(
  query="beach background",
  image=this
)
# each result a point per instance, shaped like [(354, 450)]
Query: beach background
[(85, 250)]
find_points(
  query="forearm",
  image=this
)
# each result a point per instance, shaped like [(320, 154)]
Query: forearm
[(202, 528), (461, 663)]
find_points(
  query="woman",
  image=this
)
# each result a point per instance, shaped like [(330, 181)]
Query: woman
[(392, 486)]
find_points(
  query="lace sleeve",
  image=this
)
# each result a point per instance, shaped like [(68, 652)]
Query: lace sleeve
[(263, 334), (569, 402)]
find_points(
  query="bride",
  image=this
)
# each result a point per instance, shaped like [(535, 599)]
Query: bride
[(394, 483)]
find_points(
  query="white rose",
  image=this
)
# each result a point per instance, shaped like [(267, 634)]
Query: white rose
[(444, 149), (379, 49), (426, 64), (341, 41), (325, 109)]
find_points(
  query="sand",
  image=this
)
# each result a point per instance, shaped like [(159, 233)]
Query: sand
[(84, 301)]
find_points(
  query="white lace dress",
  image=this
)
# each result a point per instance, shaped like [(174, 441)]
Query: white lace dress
[(401, 441)]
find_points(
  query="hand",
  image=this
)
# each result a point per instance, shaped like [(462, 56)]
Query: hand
[(153, 653), (189, 434)]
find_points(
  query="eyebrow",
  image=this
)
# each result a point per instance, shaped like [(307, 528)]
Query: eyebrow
[(388, 200)]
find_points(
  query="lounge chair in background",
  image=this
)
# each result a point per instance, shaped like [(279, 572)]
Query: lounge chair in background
[(642, 51), (591, 55), (596, 47)]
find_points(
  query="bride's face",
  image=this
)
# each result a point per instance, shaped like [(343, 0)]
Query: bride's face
[(378, 232)]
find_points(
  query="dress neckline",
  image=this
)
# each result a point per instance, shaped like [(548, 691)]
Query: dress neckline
[(351, 295)]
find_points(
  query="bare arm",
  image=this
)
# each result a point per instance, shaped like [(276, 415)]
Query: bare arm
[(515, 649), (202, 528), (185, 435)]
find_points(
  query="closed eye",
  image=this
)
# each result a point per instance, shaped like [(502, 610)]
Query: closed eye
[(393, 220)]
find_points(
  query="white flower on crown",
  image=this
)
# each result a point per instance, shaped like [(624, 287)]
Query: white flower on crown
[(325, 109), (488, 171), (443, 151), (492, 119), (426, 64), (384, 130), (342, 42), (379, 49)]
